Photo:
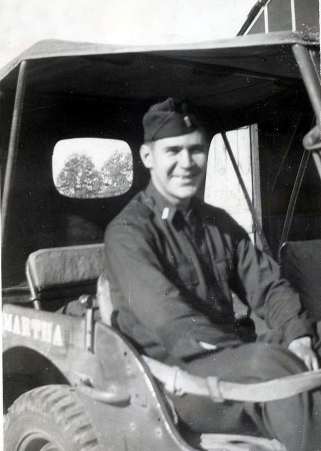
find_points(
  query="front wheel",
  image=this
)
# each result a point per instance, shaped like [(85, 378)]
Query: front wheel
[(49, 418)]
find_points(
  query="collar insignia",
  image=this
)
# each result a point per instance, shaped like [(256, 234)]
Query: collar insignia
[(187, 121)]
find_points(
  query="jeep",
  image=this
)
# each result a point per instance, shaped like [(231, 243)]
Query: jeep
[(70, 134)]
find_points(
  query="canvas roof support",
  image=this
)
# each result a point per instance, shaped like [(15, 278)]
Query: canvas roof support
[(13, 143)]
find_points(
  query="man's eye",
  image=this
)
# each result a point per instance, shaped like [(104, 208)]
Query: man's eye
[(172, 150), (197, 149)]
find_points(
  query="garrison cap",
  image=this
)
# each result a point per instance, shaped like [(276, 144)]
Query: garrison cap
[(167, 119)]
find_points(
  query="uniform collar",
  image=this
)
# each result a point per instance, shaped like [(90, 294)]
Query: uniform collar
[(167, 211)]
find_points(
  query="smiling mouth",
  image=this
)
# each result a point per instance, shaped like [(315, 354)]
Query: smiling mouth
[(187, 177)]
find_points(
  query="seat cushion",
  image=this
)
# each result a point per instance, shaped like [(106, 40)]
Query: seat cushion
[(65, 271)]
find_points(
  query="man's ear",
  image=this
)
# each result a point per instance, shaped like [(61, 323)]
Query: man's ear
[(146, 155)]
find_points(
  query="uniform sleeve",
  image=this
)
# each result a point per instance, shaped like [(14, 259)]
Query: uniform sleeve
[(271, 296), (157, 303)]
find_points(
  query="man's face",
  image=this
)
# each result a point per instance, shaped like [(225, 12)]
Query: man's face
[(177, 165)]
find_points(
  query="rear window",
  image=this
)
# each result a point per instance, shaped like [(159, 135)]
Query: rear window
[(87, 168)]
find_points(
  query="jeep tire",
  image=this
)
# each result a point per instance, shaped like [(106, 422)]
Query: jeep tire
[(49, 418)]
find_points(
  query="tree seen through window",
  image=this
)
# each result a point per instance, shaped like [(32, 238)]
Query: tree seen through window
[(81, 177)]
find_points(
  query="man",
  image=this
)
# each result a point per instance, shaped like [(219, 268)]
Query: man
[(173, 261)]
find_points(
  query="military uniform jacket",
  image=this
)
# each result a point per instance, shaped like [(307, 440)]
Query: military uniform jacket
[(172, 274)]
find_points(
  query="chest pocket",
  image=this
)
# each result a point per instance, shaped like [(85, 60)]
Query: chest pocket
[(187, 274)]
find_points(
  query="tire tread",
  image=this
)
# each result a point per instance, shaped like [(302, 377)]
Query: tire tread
[(61, 403)]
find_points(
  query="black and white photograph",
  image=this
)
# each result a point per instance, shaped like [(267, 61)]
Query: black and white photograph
[(160, 225)]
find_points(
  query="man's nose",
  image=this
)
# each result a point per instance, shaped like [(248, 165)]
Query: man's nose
[(186, 159)]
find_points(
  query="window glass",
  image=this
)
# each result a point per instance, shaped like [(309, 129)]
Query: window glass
[(87, 168), (279, 13), (222, 188)]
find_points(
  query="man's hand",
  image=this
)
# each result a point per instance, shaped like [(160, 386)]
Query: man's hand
[(302, 348)]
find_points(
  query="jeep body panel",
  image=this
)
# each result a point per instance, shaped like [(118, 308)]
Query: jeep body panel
[(42, 347)]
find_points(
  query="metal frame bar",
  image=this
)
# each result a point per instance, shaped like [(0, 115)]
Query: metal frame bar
[(256, 179), (266, 18), (310, 77), (13, 144), (315, 56), (34, 297), (293, 15)]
